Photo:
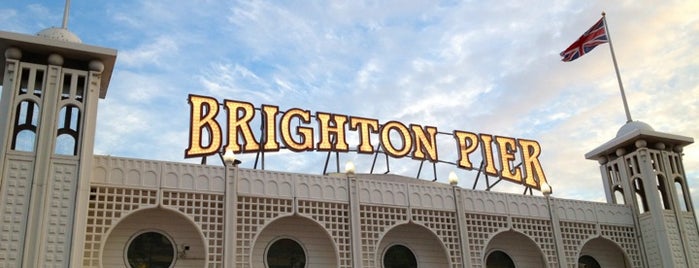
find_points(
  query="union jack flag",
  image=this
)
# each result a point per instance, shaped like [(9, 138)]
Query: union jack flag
[(596, 35)]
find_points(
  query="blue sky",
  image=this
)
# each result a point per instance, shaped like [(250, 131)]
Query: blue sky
[(481, 66)]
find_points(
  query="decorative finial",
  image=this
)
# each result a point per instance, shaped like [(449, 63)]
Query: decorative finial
[(61, 34), (65, 15), (603, 14)]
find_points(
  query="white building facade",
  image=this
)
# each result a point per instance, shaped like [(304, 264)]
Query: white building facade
[(63, 206)]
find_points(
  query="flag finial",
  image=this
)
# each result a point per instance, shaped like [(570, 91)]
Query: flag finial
[(603, 14)]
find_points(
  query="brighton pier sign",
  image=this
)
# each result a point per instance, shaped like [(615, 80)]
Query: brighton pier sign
[(329, 133)]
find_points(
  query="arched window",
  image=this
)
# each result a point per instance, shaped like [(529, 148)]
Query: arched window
[(286, 253), (499, 259), (640, 195), (662, 192), (150, 249), (399, 256), (26, 122), (679, 190), (586, 261), (68, 130), (619, 195)]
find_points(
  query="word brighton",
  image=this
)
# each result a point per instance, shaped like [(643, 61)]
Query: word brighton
[(205, 138)]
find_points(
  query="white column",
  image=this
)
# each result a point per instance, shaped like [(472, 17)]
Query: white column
[(230, 201), (355, 226), (45, 141), (12, 56), (460, 221), (85, 153)]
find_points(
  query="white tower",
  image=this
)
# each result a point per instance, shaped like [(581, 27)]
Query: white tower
[(644, 168), (50, 87)]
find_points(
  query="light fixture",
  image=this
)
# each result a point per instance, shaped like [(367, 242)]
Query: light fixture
[(546, 189), (349, 167), (453, 179), (229, 158)]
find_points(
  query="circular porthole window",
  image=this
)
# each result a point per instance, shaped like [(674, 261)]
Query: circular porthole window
[(286, 253), (150, 249), (399, 256)]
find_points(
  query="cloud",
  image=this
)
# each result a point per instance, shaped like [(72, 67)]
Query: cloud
[(481, 67), (150, 55)]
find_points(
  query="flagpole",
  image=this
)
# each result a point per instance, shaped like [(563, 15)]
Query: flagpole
[(616, 68)]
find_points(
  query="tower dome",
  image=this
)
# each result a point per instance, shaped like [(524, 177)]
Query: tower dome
[(631, 126), (61, 34)]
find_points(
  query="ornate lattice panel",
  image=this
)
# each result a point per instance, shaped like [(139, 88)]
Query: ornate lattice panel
[(540, 231), (60, 213), (253, 213), (479, 228), (335, 218), (373, 221), (650, 241), (444, 224), (692, 238), (574, 234), (106, 206), (625, 237), (206, 209), (675, 240), (15, 202)]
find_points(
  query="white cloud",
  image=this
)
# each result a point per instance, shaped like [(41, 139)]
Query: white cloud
[(150, 54), (482, 67)]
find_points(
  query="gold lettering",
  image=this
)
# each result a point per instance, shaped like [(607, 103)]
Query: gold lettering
[(239, 116), (306, 133), (205, 138), (468, 142), (530, 161), (507, 148), (425, 144), (203, 119), (404, 135), (338, 129), (365, 126), (270, 115), (486, 141)]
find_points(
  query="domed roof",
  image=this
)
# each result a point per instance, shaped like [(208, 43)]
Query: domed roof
[(632, 126), (61, 34)]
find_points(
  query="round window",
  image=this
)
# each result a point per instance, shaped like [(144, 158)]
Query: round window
[(286, 253), (150, 249), (399, 256)]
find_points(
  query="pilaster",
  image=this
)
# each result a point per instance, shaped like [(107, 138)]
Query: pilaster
[(86, 140), (12, 56), (41, 184), (355, 226), (461, 222), (230, 210), (557, 236)]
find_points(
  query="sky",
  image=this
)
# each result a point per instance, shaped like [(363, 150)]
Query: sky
[(480, 66)]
